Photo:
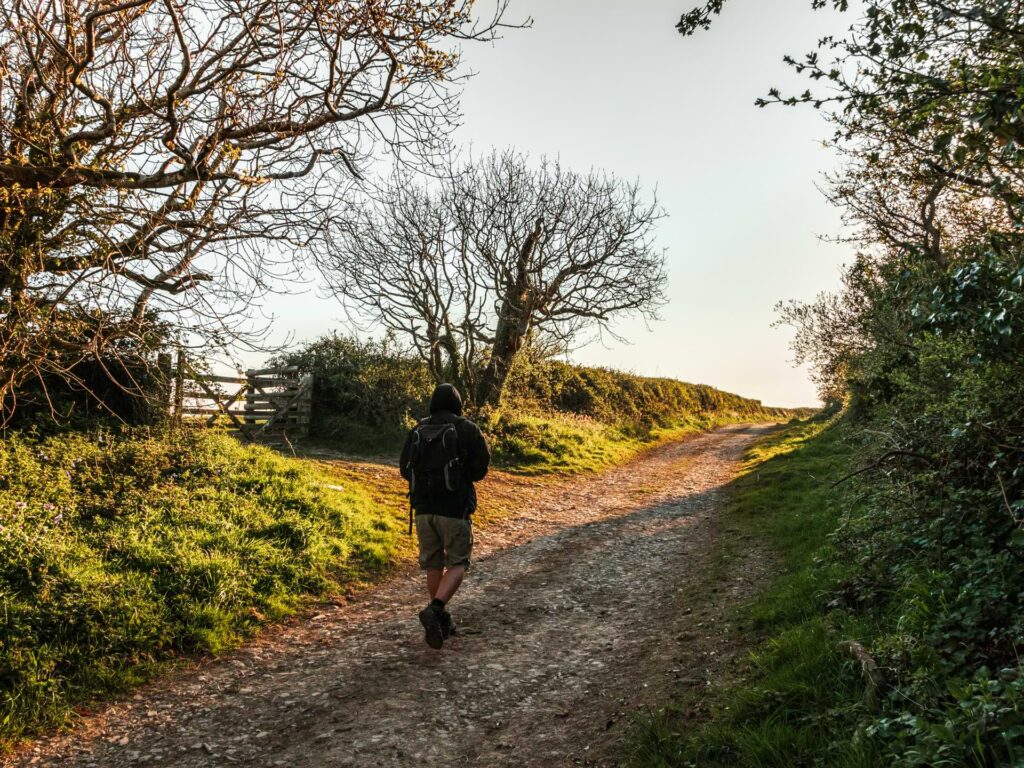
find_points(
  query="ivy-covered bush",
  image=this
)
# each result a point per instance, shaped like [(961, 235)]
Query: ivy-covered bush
[(943, 538), (932, 538), (364, 392)]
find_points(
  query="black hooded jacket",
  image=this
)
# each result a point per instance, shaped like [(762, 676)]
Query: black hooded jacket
[(446, 408)]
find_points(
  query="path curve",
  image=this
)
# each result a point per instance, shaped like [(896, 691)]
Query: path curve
[(583, 608)]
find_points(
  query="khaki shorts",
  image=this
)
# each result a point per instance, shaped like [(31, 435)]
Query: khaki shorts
[(445, 542)]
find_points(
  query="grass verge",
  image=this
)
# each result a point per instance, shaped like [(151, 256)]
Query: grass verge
[(795, 701), (550, 443), (119, 553), (564, 444)]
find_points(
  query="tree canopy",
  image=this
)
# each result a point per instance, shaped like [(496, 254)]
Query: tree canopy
[(497, 253), (167, 155)]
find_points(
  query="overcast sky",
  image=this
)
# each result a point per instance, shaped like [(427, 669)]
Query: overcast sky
[(611, 84)]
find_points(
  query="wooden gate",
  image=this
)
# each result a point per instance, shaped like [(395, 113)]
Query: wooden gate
[(270, 405)]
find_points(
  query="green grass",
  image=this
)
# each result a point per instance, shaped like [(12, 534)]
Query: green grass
[(560, 443), (557, 443), (793, 708), (561, 418), (119, 553), (532, 442)]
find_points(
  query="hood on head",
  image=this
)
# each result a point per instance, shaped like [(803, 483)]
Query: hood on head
[(446, 398)]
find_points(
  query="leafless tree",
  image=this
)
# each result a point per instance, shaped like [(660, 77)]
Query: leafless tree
[(179, 156), (402, 261), (497, 252)]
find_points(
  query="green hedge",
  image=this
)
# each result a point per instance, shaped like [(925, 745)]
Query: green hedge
[(558, 417), (554, 416), (620, 398), (364, 392)]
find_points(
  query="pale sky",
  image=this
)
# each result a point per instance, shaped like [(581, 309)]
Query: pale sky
[(611, 84)]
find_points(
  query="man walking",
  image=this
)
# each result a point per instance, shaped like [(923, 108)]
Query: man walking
[(443, 456)]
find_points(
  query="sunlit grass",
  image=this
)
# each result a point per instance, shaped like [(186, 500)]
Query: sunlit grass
[(121, 553), (557, 443)]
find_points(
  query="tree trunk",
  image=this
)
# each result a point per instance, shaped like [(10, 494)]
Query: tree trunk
[(453, 368), (435, 361), (508, 340), (514, 318)]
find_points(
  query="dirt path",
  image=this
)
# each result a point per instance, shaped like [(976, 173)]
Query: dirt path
[(601, 594)]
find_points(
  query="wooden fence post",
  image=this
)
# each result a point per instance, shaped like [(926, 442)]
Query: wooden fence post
[(179, 387), (164, 382), (305, 409), (250, 396)]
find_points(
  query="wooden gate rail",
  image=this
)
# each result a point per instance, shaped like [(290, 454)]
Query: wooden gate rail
[(276, 402)]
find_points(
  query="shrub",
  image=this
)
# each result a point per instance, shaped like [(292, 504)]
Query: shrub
[(80, 385), (364, 392)]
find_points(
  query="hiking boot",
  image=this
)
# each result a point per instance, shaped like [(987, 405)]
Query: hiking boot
[(447, 625), (430, 618)]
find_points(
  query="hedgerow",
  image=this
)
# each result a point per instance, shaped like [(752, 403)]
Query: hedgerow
[(925, 345), (554, 416)]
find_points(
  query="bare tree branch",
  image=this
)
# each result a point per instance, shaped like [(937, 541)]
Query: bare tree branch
[(183, 156), (496, 253)]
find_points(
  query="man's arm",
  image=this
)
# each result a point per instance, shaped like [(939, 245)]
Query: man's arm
[(403, 460), (478, 458)]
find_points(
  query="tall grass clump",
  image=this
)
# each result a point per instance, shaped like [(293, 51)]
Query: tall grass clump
[(121, 551)]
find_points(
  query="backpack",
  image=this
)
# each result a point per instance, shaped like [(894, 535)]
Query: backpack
[(435, 466)]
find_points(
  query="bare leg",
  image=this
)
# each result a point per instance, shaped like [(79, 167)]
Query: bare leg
[(434, 581), (450, 583)]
